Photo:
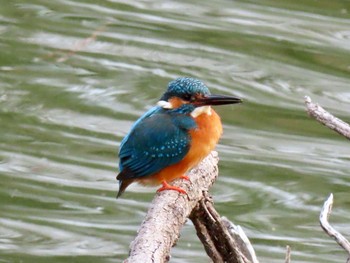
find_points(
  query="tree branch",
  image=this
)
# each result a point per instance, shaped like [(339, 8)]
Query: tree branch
[(214, 233), (326, 118), (288, 254), (339, 238), (342, 128), (241, 239), (168, 212)]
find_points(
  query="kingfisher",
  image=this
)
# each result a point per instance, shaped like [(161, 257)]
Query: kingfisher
[(172, 137)]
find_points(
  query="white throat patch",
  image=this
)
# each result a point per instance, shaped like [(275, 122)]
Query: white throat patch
[(200, 110), (164, 104)]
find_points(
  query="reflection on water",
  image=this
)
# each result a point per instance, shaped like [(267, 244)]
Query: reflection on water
[(75, 75)]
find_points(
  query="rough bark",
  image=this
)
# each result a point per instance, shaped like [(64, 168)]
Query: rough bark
[(221, 244), (168, 212), (326, 118)]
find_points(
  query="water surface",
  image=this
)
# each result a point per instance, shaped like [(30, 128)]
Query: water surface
[(75, 75)]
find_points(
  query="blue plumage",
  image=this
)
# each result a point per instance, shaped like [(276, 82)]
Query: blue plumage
[(185, 88), (158, 139), (161, 137)]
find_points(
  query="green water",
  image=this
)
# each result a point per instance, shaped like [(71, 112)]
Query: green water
[(67, 100)]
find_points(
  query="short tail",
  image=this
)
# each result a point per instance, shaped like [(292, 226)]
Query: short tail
[(123, 184)]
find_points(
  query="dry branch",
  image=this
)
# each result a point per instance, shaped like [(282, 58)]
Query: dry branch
[(221, 245), (288, 254), (168, 212), (342, 128), (339, 238), (326, 118), (241, 240)]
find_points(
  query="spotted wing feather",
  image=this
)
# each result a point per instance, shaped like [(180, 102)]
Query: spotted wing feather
[(155, 142)]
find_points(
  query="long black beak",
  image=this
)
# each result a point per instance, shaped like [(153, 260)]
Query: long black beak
[(216, 100)]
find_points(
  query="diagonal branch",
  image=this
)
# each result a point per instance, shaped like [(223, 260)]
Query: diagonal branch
[(215, 235), (339, 238), (168, 212), (326, 118)]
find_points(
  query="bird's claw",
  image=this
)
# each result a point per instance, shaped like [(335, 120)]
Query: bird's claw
[(185, 177), (166, 186)]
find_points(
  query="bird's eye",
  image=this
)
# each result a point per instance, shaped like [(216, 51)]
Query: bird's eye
[(189, 97)]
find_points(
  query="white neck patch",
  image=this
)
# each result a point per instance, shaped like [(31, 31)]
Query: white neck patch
[(195, 113), (164, 104), (200, 110)]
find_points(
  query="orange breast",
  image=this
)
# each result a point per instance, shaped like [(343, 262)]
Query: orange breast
[(204, 140)]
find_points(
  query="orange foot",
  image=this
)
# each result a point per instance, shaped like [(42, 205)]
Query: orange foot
[(185, 177), (166, 186)]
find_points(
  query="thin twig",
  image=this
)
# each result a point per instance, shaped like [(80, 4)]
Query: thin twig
[(78, 46), (326, 118), (288, 254), (339, 238), (83, 43)]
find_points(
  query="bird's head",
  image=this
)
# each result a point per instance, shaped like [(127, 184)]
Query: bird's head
[(192, 91)]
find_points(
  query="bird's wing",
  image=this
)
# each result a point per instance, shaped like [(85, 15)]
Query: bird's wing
[(149, 113), (155, 142)]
